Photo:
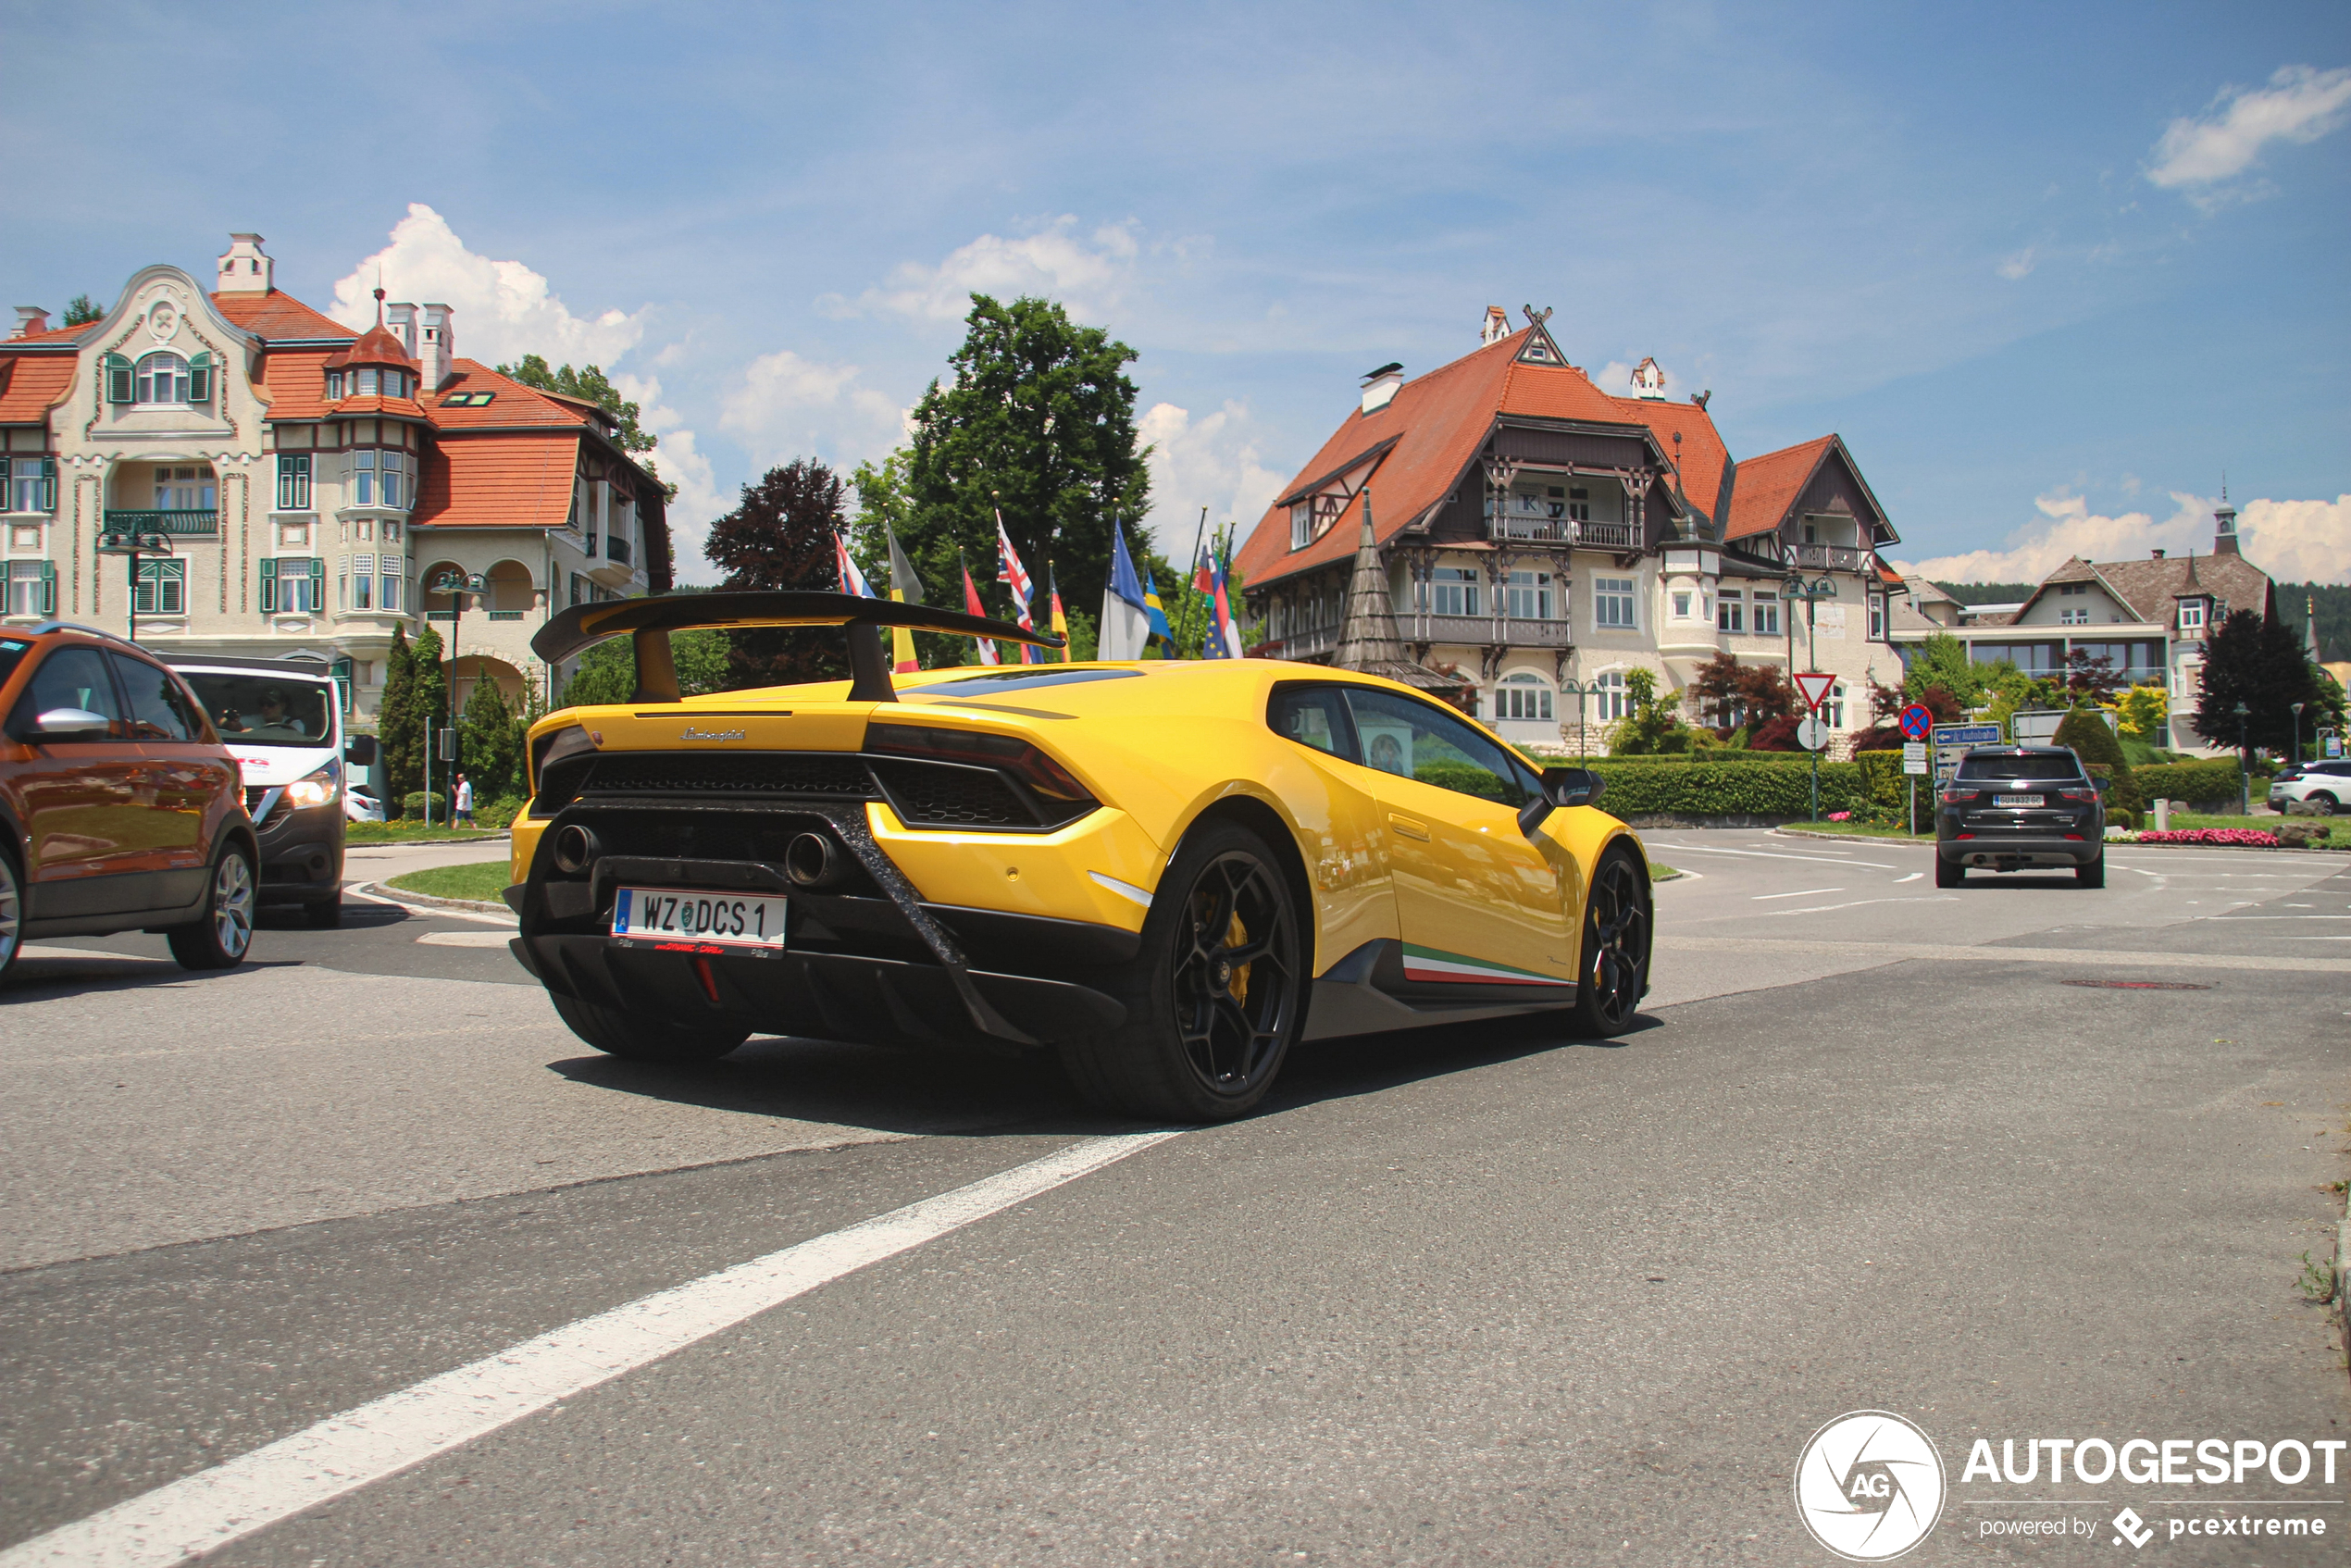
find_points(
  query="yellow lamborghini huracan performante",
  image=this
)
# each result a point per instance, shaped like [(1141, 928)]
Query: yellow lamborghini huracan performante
[(1167, 873)]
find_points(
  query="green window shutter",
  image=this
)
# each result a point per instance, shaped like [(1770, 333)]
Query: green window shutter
[(48, 484), (200, 379), (118, 374), (48, 588), (269, 586), (318, 585)]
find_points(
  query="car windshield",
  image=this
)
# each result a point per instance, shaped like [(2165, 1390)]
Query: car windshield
[(264, 710), (2053, 767)]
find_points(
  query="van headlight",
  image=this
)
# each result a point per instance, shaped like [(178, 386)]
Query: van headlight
[(317, 790)]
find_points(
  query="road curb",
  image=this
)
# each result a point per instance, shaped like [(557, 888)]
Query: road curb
[(427, 901), (2342, 1280), (500, 835), (2111, 843)]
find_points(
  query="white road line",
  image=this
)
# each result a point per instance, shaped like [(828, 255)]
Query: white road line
[(1911, 877), (464, 938), (1825, 908), (1806, 893), (343, 1453), (1761, 854)]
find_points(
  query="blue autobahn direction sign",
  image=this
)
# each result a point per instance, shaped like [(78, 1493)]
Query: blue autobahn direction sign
[(1951, 743)]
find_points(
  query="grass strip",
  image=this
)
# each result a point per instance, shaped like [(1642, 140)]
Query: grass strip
[(482, 882)]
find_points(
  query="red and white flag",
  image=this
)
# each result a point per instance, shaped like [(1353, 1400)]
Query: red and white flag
[(972, 606), (1011, 572)]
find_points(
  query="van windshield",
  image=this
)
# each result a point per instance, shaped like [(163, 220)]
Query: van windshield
[(264, 710)]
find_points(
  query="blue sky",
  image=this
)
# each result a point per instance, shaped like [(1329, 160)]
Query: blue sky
[(2048, 270)]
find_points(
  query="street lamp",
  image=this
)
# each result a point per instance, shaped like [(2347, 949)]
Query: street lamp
[(1579, 690), (2297, 708), (456, 584), (1820, 588), (2244, 774), (134, 545)]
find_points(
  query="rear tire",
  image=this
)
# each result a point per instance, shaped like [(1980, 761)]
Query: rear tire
[(223, 935), (1618, 928), (1950, 873), (1216, 995), (2323, 803), (2092, 875), (641, 1038)]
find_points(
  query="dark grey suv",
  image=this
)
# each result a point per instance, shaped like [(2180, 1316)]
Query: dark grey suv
[(2010, 808)]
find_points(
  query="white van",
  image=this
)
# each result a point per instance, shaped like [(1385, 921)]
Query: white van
[(282, 720)]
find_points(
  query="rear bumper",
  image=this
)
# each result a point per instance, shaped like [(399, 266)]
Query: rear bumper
[(2013, 851)]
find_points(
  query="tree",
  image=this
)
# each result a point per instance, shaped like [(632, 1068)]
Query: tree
[(400, 741), (486, 743), (590, 384), (2144, 711), (82, 310), (1651, 725), (2090, 678), (781, 537), (2260, 664), (607, 672), (1734, 696), (1038, 420)]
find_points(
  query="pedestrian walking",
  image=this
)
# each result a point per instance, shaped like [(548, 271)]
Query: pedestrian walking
[(465, 800)]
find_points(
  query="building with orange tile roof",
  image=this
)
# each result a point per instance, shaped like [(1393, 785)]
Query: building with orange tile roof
[(1543, 535), (309, 486)]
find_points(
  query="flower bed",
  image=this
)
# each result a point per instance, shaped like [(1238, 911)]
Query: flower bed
[(2247, 838)]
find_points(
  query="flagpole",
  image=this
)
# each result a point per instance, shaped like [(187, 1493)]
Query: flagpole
[(1191, 568)]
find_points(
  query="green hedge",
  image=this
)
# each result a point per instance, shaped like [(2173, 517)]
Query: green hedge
[(1640, 789), (412, 806), (2213, 780)]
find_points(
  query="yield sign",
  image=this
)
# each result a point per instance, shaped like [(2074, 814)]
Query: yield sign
[(1813, 687)]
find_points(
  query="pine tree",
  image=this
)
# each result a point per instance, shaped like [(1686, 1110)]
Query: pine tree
[(399, 741), (487, 742), (781, 537)]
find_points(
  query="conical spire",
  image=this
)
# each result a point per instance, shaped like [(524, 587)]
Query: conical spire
[(1367, 640)]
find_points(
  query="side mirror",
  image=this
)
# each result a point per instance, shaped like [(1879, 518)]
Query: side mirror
[(1561, 787), (71, 724), (359, 750)]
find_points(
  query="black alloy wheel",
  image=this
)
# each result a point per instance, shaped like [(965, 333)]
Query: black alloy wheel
[(221, 936), (1216, 998), (1617, 932)]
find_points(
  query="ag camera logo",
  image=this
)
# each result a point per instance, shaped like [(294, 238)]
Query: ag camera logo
[(1870, 1485)]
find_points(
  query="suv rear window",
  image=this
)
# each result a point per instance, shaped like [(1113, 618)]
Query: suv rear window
[(2013, 767)]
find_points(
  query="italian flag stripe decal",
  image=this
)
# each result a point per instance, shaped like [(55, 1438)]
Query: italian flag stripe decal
[(1427, 963)]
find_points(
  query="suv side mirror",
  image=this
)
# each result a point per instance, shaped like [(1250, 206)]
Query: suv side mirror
[(1561, 787), (359, 750), (71, 724)]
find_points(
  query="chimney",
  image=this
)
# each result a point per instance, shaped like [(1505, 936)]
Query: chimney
[(1649, 381), (399, 320), (1496, 326), (436, 355), (30, 318), (2156, 555), (245, 270), (2224, 526), (1380, 387)]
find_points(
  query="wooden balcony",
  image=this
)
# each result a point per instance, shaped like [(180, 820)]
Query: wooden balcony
[(1829, 557), (1484, 631), (1514, 526)]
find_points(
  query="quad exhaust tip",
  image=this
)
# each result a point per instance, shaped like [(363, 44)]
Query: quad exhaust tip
[(811, 861), (576, 849)]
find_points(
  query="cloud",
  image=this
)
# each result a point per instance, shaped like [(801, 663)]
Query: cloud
[(784, 406), (505, 309), (2198, 154), (1089, 274), (682, 463), (2299, 540), (2293, 541), (2017, 265), (1213, 462)]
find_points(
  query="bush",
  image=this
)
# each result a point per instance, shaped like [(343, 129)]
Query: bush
[(2196, 782), (500, 812), (2084, 731), (412, 807), (2120, 788), (1779, 788)]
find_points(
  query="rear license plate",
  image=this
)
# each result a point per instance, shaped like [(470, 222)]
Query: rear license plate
[(699, 918), (2016, 800)]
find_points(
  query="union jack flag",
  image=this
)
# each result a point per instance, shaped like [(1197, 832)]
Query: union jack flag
[(1011, 572)]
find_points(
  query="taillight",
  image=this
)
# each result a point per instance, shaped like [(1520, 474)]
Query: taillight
[(1960, 797), (1025, 761), (2078, 794)]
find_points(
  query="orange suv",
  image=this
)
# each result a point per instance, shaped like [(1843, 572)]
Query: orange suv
[(119, 808)]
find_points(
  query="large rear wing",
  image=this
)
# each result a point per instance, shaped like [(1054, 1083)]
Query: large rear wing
[(649, 623)]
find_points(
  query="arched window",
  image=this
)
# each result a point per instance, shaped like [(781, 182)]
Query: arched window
[(1522, 695), (161, 377)]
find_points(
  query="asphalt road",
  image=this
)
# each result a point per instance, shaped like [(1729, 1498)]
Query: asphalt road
[(1483, 1295)]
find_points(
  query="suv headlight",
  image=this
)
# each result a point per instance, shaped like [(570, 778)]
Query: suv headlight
[(317, 790)]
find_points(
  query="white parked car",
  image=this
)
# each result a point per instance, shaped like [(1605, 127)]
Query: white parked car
[(360, 805), (2326, 785)]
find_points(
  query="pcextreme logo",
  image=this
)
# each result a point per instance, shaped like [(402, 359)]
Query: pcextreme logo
[(1869, 1486)]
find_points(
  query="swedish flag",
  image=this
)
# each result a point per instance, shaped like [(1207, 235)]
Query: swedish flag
[(1158, 615)]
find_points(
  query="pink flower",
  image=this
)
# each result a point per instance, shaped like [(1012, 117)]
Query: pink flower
[(2251, 837), (1840, 816)]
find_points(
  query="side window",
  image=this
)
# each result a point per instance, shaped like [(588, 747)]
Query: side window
[(1420, 740), (69, 678), (1312, 716), (157, 710)]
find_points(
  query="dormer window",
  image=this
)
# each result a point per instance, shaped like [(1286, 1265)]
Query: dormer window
[(1301, 525), (2191, 615)]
